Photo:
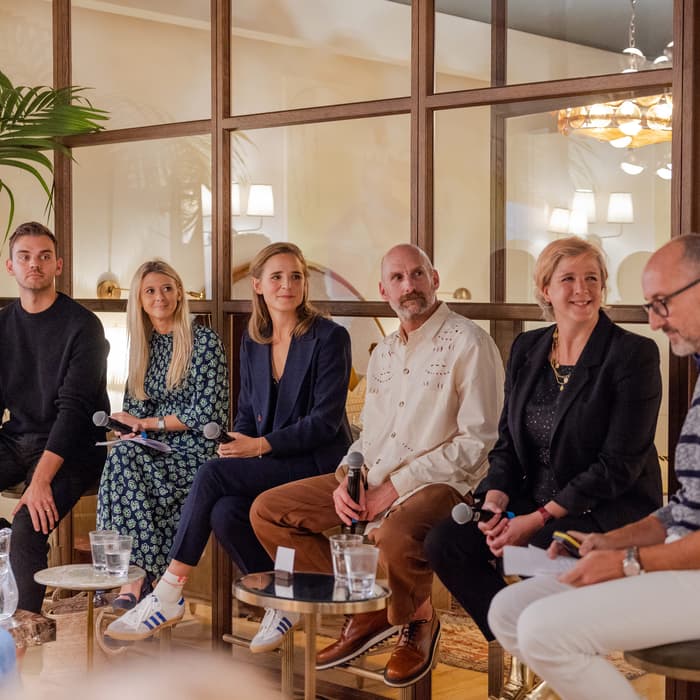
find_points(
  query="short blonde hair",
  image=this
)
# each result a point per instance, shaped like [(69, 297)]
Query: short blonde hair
[(553, 254)]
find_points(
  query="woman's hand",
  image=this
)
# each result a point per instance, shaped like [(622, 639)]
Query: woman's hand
[(495, 501), (243, 446), (128, 419), (516, 531)]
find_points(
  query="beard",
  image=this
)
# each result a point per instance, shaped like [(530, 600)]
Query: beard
[(413, 305)]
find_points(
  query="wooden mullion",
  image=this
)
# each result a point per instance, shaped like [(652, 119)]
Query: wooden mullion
[(422, 130), (221, 575), (554, 89), (63, 176), (142, 133)]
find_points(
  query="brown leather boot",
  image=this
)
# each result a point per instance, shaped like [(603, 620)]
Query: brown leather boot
[(414, 654), (359, 634)]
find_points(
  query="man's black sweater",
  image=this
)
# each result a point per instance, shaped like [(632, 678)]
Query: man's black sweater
[(53, 370)]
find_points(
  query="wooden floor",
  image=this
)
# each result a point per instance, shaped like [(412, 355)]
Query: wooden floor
[(58, 669)]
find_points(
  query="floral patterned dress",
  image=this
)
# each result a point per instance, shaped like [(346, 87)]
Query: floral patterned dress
[(142, 490)]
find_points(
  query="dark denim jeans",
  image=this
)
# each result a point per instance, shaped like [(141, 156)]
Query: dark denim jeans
[(28, 548)]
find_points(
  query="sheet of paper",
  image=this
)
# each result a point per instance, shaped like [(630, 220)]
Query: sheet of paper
[(533, 561), (146, 442)]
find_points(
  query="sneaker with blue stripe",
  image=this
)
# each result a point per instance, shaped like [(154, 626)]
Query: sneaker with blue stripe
[(149, 616), (272, 629)]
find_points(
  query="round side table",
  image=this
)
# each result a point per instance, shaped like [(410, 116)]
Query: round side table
[(83, 577), (307, 594)]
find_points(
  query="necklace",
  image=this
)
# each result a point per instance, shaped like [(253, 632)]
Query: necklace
[(561, 378)]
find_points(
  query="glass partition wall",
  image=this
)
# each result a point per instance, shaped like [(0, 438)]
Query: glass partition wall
[(479, 130)]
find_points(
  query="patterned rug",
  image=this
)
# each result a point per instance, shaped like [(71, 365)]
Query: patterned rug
[(463, 645)]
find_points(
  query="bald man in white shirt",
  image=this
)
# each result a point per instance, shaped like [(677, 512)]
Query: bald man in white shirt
[(434, 396)]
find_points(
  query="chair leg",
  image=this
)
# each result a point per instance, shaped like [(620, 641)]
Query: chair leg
[(541, 691), (495, 669), (515, 687)]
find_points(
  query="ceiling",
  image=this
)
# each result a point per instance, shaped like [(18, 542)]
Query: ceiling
[(602, 24)]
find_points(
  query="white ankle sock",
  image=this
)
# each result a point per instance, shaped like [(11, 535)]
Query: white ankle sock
[(169, 588)]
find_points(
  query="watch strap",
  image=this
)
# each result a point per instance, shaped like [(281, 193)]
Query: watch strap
[(546, 515)]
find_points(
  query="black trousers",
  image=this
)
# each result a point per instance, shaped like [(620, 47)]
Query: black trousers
[(458, 554), (220, 500), (29, 548)]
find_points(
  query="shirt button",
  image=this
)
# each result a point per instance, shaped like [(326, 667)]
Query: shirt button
[(259, 418), (393, 435), (401, 404), (405, 370)]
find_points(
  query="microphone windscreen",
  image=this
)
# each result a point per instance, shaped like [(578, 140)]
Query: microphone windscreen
[(355, 459), (100, 419), (211, 431), (462, 513)]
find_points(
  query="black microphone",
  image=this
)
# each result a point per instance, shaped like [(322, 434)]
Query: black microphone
[(355, 460), (463, 513), (213, 431), (102, 420)]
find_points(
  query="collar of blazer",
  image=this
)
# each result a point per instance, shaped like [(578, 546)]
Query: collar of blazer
[(301, 351), (537, 355)]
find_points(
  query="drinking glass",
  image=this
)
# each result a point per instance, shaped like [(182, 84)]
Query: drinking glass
[(361, 564), (339, 543), (118, 554), (97, 547)]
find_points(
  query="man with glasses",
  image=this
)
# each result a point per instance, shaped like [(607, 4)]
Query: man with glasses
[(562, 628)]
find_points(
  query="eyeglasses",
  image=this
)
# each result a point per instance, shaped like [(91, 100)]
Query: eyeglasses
[(660, 306)]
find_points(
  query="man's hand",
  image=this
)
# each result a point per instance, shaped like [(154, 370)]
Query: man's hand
[(378, 499), (39, 501), (347, 509), (596, 566), (589, 542)]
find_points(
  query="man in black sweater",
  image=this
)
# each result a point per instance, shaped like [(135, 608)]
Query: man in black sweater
[(53, 369)]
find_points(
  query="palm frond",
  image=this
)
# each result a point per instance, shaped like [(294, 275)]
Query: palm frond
[(35, 119)]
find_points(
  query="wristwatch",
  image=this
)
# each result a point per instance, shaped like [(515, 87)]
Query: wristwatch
[(161, 424), (631, 565)]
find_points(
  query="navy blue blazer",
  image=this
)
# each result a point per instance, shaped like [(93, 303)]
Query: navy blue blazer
[(309, 417), (602, 441)]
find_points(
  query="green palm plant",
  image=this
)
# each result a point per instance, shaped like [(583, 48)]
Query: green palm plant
[(33, 120)]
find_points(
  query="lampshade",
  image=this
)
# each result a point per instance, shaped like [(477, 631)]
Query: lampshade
[(584, 200), (620, 208), (260, 201), (235, 199), (559, 220), (206, 200), (578, 223), (631, 165)]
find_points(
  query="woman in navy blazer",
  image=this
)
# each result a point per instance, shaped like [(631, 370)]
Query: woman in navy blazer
[(575, 449), (290, 424)]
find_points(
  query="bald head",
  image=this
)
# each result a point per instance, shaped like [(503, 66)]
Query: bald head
[(403, 250), (671, 280), (409, 284)]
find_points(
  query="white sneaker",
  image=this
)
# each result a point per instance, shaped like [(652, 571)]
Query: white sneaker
[(272, 629), (149, 616)]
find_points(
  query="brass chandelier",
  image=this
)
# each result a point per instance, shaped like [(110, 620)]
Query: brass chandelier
[(629, 123)]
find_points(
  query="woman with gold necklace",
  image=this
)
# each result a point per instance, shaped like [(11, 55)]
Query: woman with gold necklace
[(575, 449)]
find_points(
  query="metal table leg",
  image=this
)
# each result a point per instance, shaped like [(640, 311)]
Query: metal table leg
[(310, 657), (90, 628), (288, 664)]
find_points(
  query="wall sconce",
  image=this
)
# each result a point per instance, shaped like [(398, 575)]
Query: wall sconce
[(620, 211), (108, 288), (559, 220), (578, 223), (261, 202), (584, 200)]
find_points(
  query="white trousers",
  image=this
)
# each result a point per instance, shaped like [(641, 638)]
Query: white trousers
[(563, 633)]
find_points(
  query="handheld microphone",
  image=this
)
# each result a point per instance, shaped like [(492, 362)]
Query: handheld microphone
[(463, 513), (102, 420), (213, 431), (355, 460)]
